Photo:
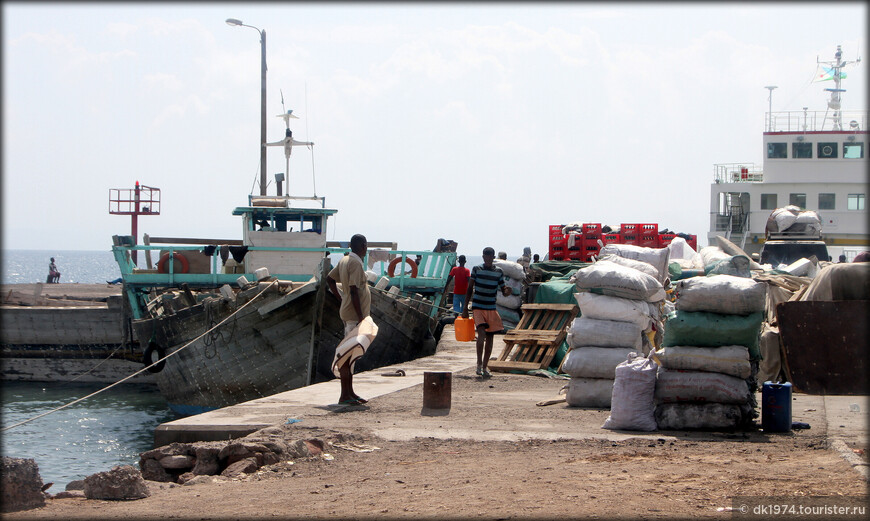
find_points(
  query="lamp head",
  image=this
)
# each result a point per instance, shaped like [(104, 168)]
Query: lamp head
[(233, 21)]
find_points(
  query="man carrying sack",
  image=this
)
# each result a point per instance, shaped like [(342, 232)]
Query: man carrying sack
[(359, 328)]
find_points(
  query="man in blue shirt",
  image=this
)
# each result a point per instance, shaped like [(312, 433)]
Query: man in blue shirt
[(486, 280)]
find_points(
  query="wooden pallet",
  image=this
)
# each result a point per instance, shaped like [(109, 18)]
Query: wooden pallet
[(537, 337)]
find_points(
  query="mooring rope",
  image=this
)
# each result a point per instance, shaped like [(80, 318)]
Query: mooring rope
[(144, 368)]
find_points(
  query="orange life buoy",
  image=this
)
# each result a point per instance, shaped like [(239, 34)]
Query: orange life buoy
[(161, 264), (391, 269)]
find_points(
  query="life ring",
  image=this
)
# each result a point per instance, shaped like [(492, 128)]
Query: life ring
[(161, 264), (391, 269), (147, 357)]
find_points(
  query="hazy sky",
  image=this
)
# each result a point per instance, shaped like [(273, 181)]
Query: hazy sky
[(481, 123)]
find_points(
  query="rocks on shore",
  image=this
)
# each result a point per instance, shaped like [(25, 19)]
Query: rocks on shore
[(183, 463), (122, 482), (20, 485)]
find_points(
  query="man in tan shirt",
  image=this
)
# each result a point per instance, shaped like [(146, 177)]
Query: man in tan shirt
[(355, 305)]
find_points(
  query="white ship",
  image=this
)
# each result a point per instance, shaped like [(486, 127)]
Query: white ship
[(816, 160)]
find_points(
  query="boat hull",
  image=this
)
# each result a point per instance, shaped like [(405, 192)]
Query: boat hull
[(269, 346), (68, 343)]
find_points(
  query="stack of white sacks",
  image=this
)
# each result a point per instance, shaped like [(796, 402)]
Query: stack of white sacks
[(619, 298), (709, 359), (508, 308)]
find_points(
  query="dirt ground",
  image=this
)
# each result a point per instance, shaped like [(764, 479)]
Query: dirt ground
[(647, 476)]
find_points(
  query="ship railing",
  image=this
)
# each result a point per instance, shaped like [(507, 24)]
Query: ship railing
[(814, 121), (737, 173), (432, 271)]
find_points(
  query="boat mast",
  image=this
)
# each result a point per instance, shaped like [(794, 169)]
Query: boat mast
[(834, 103)]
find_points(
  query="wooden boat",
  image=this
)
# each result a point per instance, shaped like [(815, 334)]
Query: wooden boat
[(222, 340)]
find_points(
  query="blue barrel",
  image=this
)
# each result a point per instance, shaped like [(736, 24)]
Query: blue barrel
[(776, 407)]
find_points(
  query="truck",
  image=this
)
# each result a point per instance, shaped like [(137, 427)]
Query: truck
[(792, 234)]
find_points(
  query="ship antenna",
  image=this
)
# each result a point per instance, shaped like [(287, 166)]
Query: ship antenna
[(835, 71)]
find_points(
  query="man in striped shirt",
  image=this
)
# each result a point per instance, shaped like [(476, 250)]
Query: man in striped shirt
[(486, 279)]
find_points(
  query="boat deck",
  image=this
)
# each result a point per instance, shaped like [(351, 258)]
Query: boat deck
[(33, 294)]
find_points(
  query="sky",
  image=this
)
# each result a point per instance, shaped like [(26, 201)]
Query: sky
[(483, 123)]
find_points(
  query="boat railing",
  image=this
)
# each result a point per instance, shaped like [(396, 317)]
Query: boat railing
[(431, 277), (737, 173), (814, 121), (432, 271)]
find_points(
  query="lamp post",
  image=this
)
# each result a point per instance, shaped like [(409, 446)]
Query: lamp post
[(770, 107), (235, 22)]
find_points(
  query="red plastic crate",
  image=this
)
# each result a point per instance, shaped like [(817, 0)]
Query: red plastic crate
[(556, 229), (648, 240), (558, 240), (665, 239), (578, 255), (578, 241), (557, 253), (628, 229), (611, 238), (648, 228), (693, 242), (629, 238)]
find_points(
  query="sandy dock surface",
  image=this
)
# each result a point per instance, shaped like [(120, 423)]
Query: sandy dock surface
[(459, 464)]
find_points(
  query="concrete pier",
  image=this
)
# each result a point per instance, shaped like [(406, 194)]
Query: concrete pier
[(842, 419)]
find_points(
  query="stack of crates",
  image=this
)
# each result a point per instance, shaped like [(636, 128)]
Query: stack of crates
[(558, 243), (585, 244), (666, 238), (591, 235)]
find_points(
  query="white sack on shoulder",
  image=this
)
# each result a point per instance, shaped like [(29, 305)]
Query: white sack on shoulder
[(594, 362), (604, 333), (730, 360), (632, 404), (605, 307), (656, 257), (510, 269), (608, 278), (725, 294)]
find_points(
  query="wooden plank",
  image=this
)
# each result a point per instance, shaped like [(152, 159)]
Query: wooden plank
[(496, 365), (531, 334), (555, 307)]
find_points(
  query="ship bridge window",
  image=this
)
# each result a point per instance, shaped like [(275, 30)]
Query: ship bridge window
[(853, 150), (801, 150), (827, 151), (768, 201), (827, 201), (855, 202), (799, 200), (777, 150)]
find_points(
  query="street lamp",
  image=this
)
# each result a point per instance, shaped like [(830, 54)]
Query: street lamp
[(769, 106), (235, 22)]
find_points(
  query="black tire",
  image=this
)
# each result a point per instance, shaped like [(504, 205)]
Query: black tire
[(148, 357)]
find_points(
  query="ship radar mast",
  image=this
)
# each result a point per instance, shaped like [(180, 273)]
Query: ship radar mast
[(288, 142), (834, 70)]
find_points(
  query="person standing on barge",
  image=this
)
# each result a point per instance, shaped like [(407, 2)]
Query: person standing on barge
[(53, 274)]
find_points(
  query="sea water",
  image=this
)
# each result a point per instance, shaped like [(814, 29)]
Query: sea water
[(83, 267), (109, 429)]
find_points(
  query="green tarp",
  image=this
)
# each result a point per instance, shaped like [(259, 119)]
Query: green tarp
[(557, 291)]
